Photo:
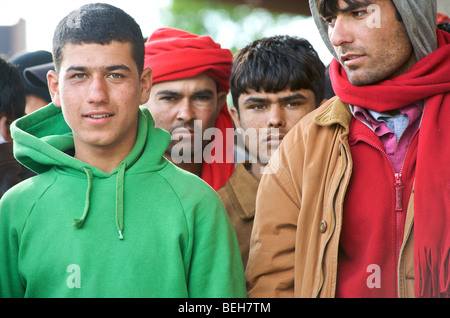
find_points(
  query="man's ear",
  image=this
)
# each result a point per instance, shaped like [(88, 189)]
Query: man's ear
[(53, 87), (146, 85), (235, 116), (4, 129), (221, 100)]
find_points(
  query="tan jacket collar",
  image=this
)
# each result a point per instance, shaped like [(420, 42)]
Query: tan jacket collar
[(338, 113), (244, 186)]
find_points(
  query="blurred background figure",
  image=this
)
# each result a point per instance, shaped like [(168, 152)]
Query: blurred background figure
[(36, 92), (443, 22), (12, 106)]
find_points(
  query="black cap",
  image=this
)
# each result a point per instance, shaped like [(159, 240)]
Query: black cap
[(31, 59), (36, 76)]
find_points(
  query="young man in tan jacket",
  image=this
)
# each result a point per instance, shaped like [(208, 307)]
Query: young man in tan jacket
[(270, 97)]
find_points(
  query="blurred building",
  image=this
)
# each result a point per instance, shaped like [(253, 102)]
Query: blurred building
[(12, 38)]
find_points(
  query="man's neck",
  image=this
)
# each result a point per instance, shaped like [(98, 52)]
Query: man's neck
[(256, 170), (100, 158), (406, 66)]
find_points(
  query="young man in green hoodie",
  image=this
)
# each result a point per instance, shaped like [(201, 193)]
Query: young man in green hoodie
[(143, 227)]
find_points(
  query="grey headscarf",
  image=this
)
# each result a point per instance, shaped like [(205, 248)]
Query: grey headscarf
[(419, 17)]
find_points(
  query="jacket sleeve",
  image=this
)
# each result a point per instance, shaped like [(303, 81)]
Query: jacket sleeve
[(270, 268), (10, 168)]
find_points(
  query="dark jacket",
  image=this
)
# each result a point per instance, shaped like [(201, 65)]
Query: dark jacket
[(11, 171)]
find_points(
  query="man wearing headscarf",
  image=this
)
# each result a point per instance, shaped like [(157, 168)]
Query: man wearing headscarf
[(188, 99), (362, 183)]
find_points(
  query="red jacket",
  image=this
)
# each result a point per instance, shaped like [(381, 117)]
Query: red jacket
[(373, 226)]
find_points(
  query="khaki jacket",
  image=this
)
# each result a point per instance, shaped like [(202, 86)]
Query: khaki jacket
[(238, 196), (297, 226)]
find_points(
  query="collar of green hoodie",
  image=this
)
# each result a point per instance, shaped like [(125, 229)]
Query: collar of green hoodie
[(419, 17)]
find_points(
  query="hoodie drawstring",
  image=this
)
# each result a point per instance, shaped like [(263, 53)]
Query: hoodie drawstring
[(79, 221), (119, 199)]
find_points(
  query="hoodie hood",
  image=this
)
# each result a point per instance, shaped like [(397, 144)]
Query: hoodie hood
[(419, 17), (43, 141)]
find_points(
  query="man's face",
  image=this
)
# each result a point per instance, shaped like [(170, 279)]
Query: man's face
[(270, 116), (175, 105), (372, 45), (99, 90)]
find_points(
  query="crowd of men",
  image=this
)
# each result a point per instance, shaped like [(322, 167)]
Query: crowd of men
[(126, 173)]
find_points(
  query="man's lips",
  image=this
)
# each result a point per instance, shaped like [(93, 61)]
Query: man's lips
[(98, 117), (182, 132), (351, 59), (274, 140)]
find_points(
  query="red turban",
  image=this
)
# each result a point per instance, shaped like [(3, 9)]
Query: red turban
[(175, 54), (442, 18)]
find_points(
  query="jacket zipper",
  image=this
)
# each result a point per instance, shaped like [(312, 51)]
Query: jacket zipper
[(398, 188), (398, 219), (398, 192)]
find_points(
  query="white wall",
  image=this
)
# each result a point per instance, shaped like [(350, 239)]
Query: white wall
[(444, 6)]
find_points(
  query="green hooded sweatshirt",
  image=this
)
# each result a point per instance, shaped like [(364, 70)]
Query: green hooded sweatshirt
[(147, 229)]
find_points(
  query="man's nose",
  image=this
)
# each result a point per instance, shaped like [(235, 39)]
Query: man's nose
[(185, 110), (98, 90), (340, 32), (276, 117)]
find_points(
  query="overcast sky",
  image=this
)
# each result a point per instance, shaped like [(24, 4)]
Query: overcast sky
[(42, 16)]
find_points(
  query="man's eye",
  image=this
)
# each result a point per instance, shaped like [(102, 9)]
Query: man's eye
[(203, 98), (167, 98), (116, 76), (292, 104), (257, 107), (359, 13), (79, 76), (330, 20)]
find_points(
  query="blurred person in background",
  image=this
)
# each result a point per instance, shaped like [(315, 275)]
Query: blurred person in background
[(37, 93), (12, 106)]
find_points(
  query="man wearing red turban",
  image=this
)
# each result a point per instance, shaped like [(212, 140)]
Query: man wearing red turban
[(188, 99)]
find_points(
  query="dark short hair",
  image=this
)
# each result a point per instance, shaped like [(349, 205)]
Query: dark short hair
[(444, 27), (98, 23), (328, 8), (12, 92), (276, 63)]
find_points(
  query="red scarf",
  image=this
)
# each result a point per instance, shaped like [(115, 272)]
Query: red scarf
[(428, 79), (175, 54)]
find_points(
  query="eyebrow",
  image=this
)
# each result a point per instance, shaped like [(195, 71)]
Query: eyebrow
[(196, 93), (204, 92), (292, 97), (107, 68), (355, 5), (266, 100)]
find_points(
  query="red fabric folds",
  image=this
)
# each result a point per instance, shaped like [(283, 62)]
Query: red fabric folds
[(429, 80), (175, 54)]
